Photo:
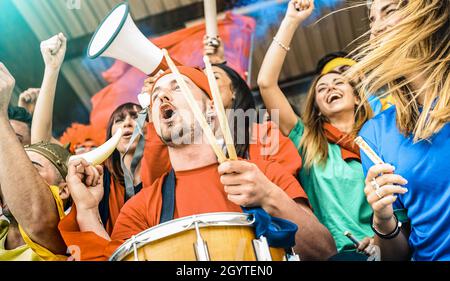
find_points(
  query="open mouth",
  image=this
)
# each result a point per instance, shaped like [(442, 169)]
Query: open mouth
[(167, 111), (127, 134), (334, 97)]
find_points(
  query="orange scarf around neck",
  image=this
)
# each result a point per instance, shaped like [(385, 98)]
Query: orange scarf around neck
[(349, 150)]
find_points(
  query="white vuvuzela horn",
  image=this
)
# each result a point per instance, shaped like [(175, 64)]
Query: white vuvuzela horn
[(100, 154)]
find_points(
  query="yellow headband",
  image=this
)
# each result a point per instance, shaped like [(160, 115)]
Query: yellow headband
[(332, 64)]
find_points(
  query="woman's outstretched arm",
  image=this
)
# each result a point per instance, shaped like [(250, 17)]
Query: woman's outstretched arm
[(269, 74)]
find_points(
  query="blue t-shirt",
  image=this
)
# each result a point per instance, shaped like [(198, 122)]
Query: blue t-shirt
[(426, 166)]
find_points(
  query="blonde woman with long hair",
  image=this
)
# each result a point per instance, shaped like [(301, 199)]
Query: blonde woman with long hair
[(332, 174), (409, 51)]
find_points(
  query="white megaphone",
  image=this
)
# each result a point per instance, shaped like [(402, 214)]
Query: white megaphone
[(118, 37)]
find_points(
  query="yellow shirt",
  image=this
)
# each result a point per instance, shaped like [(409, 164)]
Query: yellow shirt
[(22, 253), (31, 251)]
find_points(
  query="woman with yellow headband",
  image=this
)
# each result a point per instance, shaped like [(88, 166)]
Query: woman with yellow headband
[(339, 62), (332, 173)]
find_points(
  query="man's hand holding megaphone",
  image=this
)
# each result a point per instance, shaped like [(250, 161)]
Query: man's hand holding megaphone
[(145, 96), (53, 51)]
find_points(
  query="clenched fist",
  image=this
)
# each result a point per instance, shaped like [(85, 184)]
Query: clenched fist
[(7, 84), (216, 54), (299, 10), (28, 99), (245, 184), (85, 183), (53, 51)]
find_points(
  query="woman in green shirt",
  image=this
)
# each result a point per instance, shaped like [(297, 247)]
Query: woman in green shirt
[(332, 174)]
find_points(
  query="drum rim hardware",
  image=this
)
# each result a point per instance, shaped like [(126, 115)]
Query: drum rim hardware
[(262, 249), (292, 256), (200, 246), (136, 257)]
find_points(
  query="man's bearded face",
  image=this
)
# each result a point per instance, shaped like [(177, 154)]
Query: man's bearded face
[(173, 119)]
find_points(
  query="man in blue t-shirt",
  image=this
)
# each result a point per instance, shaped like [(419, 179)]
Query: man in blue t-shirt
[(416, 178)]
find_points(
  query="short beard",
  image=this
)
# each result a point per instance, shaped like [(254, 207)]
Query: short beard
[(183, 135)]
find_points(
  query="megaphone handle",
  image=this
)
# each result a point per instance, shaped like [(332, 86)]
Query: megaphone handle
[(163, 66)]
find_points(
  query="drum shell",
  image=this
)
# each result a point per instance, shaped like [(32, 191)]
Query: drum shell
[(229, 237), (225, 243)]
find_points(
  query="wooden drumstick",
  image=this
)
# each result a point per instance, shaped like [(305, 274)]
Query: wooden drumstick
[(220, 110), (352, 238), (368, 151), (210, 7), (195, 108)]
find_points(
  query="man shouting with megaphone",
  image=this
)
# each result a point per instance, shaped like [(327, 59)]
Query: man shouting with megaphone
[(203, 185)]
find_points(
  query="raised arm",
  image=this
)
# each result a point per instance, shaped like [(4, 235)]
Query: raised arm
[(53, 52), (25, 192), (271, 67)]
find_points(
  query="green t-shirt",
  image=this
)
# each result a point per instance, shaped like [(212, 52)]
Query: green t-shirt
[(336, 193), (22, 253)]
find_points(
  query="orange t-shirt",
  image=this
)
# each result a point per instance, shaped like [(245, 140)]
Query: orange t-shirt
[(267, 143), (197, 191)]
